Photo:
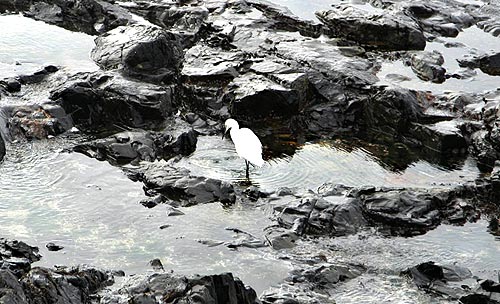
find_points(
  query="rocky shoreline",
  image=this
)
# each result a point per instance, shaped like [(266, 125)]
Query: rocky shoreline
[(185, 67)]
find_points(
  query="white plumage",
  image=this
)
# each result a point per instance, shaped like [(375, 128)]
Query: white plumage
[(247, 144)]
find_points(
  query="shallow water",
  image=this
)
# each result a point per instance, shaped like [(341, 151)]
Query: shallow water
[(471, 41), (27, 45), (93, 210), (315, 164), (471, 246)]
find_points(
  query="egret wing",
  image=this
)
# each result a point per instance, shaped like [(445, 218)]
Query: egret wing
[(248, 146)]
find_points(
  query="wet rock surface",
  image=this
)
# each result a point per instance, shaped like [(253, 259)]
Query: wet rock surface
[(169, 288), (178, 138), (88, 16), (99, 101), (380, 31), (179, 188), (164, 83), (454, 282)]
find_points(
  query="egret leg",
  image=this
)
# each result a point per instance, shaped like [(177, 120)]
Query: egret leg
[(247, 164)]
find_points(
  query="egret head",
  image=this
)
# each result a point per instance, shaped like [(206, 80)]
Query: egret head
[(230, 124)]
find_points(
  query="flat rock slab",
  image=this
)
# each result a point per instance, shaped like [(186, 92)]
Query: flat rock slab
[(382, 31)]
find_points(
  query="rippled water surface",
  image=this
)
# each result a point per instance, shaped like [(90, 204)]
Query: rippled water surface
[(314, 164), (27, 45), (93, 210), (471, 41)]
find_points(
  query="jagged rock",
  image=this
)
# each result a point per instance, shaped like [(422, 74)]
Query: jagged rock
[(178, 138), (185, 20), (445, 137), (53, 247), (16, 257), (38, 122), (280, 238), (428, 66), (167, 288), (311, 284), (489, 64), (451, 281), (182, 188), (89, 16), (11, 85), (139, 51), (375, 30), (257, 96), (389, 112), (488, 18), (394, 211), (439, 18), (99, 101)]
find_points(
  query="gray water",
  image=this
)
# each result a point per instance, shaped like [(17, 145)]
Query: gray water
[(27, 45), (92, 209)]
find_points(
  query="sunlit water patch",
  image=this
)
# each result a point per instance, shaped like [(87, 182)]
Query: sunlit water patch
[(315, 164), (469, 246), (471, 41), (27, 45), (93, 210)]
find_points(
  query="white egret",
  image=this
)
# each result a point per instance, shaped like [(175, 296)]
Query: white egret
[(247, 144)]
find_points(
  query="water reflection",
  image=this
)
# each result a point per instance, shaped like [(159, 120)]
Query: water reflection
[(28, 45), (317, 163), (466, 43), (91, 208)]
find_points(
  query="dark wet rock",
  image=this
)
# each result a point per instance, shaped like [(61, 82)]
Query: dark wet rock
[(312, 284), (171, 211), (88, 16), (203, 62), (489, 21), (156, 264), (189, 21), (139, 51), (11, 85), (439, 17), (38, 122), (394, 211), (388, 113), (168, 288), (454, 282), (257, 96), (98, 101), (23, 284), (244, 239), (152, 202), (435, 278), (177, 186), (121, 148), (489, 64), (53, 247), (374, 30), (73, 285), (428, 66), (281, 238), (254, 193), (18, 249), (178, 138), (17, 256), (444, 137)]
